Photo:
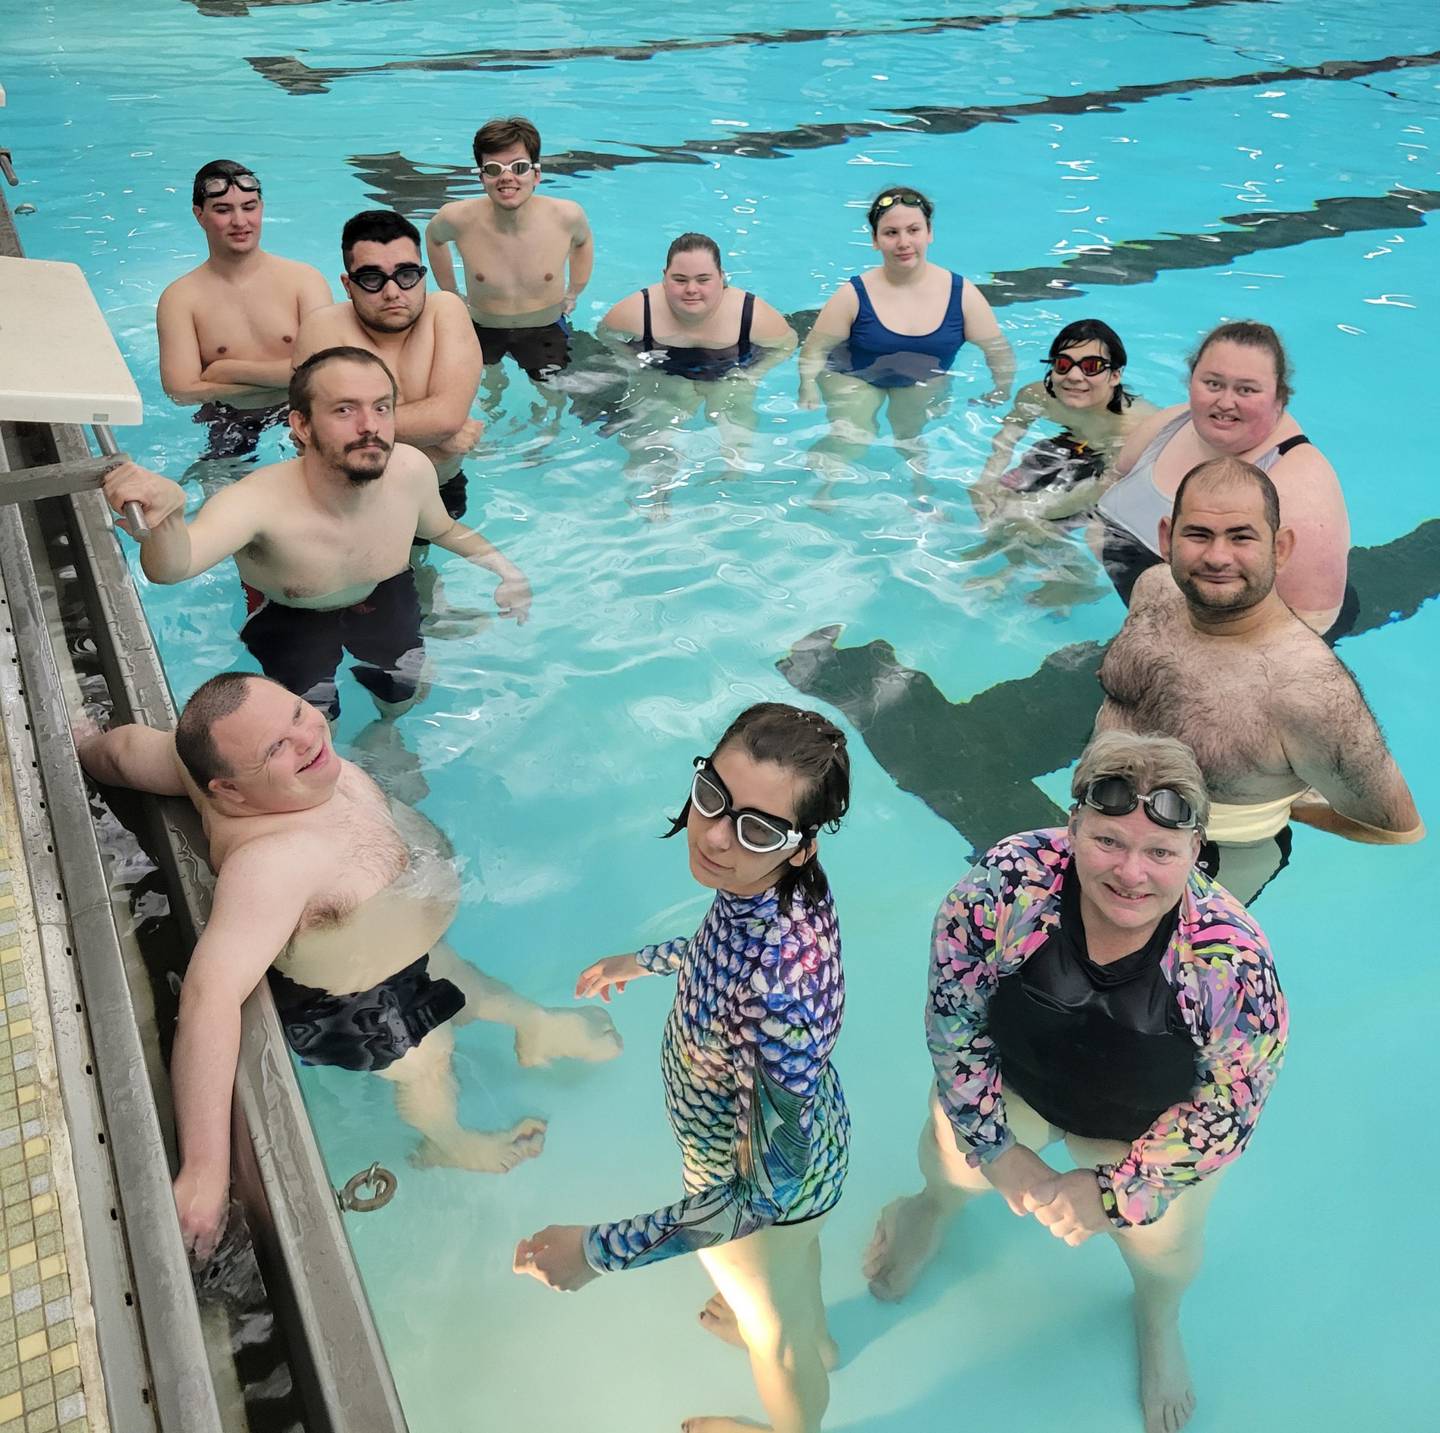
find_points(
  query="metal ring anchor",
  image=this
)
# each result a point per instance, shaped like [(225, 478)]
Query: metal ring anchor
[(378, 1179)]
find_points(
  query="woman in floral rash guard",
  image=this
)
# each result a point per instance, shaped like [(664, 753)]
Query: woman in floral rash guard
[(1089, 984)]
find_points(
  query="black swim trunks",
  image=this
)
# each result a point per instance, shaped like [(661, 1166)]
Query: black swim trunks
[(235, 432), (368, 1030), (454, 493), (541, 352), (301, 648)]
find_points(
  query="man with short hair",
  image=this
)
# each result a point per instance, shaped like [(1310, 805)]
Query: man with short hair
[(514, 246), (227, 329), (1091, 984), (344, 899), (1210, 654), (426, 340), (322, 541)]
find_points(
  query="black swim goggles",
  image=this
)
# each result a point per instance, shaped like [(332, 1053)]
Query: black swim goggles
[(1115, 796), (372, 278), (757, 831), (1092, 365), (214, 186)]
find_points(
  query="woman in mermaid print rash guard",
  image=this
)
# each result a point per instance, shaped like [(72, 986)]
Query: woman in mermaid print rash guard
[(753, 1099)]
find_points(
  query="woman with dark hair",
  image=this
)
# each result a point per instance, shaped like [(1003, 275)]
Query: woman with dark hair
[(1239, 389), (1083, 392), (693, 335), (890, 336), (753, 1099)]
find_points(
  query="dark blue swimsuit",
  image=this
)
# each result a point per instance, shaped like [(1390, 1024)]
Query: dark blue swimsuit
[(888, 359)]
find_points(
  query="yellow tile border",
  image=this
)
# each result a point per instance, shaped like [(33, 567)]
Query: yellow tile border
[(81, 1349)]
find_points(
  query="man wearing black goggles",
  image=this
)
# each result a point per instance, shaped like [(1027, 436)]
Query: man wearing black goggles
[(424, 339), (227, 328)]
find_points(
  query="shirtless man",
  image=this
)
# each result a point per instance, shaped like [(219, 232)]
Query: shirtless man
[(514, 246), (227, 329), (322, 541), (425, 339), (345, 899), (1211, 655)]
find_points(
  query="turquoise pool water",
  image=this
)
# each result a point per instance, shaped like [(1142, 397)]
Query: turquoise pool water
[(1160, 166)]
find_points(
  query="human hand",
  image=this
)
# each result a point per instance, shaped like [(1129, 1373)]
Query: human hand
[(461, 441), (556, 1256), (1069, 1206), (202, 1200), (512, 597), (994, 398), (616, 970), (809, 396), (158, 497), (1014, 1173)]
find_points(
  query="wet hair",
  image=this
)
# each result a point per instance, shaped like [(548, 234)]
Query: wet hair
[(1093, 330), (497, 134), (1220, 473), (218, 168), (1249, 334), (194, 733), (813, 748), (1147, 763), (688, 243), (302, 381), (897, 194), (375, 226)]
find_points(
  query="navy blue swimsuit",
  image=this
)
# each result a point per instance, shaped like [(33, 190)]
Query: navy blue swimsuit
[(888, 359), (702, 364)]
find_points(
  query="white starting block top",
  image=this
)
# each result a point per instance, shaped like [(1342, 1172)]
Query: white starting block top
[(59, 362)]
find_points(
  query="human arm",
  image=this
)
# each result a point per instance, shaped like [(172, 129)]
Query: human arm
[(1143, 434), (443, 413), (260, 896), (983, 330), (780, 1031), (1334, 743), (614, 972), (240, 374), (625, 319), (134, 756), (182, 369), (1312, 506), (582, 257), (831, 328), (772, 335), (439, 234), (1238, 1010), (512, 596), (176, 550)]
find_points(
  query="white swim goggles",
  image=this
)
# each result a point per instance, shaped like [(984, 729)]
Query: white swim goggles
[(757, 831), (493, 168)]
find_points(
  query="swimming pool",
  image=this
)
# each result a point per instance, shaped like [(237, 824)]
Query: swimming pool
[(1160, 166)]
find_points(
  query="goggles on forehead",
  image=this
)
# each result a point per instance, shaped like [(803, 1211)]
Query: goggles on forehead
[(756, 831), (1115, 796), (219, 184), (903, 196)]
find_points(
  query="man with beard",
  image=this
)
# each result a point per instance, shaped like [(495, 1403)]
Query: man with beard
[(425, 339), (322, 542), (1211, 655), (227, 329)]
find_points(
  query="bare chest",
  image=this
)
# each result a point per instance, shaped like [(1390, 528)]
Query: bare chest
[(1160, 676), (255, 321), (306, 556), (528, 265)]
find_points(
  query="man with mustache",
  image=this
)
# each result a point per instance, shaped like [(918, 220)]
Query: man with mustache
[(322, 542), (1211, 655), (425, 339)]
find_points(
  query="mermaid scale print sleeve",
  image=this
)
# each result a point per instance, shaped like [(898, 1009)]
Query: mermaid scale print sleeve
[(1218, 965), (752, 1097)]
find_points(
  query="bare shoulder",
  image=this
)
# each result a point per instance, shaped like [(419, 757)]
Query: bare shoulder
[(568, 213), (445, 307), (410, 465), (768, 322), (1305, 464), (463, 216), (625, 316), (1318, 690), (184, 292), (293, 271), (1155, 590)]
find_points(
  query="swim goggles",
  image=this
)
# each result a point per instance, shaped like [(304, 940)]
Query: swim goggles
[(912, 197), (755, 830), (493, 168), (1092, 365), (1115, 796), (372, 278), (215, 185)]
